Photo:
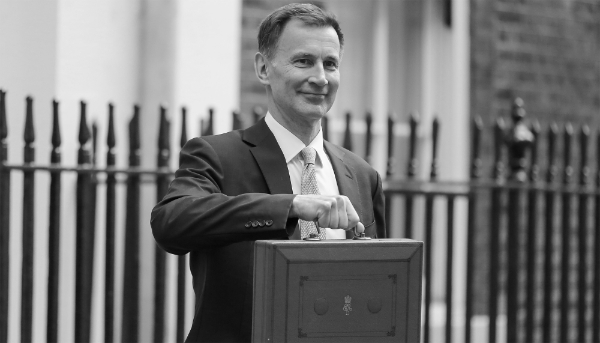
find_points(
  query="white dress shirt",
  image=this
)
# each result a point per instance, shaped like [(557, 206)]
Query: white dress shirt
[(291, 147)]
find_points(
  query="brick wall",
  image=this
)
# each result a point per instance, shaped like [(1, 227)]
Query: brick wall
[(544, 51)]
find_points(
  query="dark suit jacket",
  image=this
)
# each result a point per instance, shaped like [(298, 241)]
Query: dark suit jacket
[(224, 185)]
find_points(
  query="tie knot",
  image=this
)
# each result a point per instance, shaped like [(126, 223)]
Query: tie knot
[(309, 154)]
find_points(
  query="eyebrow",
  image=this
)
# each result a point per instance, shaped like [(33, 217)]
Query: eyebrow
[(307, 54)]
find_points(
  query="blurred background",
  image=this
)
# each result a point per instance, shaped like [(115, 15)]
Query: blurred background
[(456, 61)]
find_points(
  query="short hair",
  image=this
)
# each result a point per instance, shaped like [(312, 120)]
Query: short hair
[(272, 26)]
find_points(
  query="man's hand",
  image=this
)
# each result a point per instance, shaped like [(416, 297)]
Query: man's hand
[(332, 211)]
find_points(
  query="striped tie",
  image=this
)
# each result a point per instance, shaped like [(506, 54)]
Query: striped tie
[(308, 185)]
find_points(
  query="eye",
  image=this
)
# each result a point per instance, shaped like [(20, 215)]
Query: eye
[(303, 62), (330, 65)]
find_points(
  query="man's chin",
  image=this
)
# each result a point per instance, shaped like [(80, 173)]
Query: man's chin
[(315, 110), (314, 113)]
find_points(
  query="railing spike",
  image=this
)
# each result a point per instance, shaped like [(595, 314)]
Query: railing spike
[(134, 129), (84, 131), (236, 120), (412, 147), (183, 139), (56, 138), (584, 137), (94, 141), (110, 137), (499, 128), (534, 170), (347, 133), (3, 124), (435, 130), (552, 168), (211, 129), (168, 126), (29, 135), (390, 146), (568, 138), (163, 133), (477, 128), (369, 137)]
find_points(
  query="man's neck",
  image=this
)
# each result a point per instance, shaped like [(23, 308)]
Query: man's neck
[(306, 131)]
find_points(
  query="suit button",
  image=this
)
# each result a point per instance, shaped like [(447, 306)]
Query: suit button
[(261, 223), (248, 224), (269, 222), (255, 223)]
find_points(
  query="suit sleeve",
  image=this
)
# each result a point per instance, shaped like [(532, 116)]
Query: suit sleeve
[(195, 214)]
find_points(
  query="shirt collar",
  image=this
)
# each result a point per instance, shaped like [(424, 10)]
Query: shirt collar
[(290, 144)]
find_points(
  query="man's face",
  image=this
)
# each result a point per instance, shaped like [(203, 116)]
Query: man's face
[(304, 72)]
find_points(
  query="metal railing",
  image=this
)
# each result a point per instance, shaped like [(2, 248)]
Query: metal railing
[(513, 209)]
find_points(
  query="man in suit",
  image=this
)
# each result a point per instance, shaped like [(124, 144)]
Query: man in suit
[(245, 185)]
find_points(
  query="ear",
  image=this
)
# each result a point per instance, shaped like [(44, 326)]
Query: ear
[(261, 68)]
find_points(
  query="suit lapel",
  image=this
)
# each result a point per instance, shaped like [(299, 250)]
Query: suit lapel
[(269, 157), (346, 179)]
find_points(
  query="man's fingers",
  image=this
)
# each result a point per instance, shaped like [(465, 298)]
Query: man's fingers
[(360, 228), (334, 219), (351, 214), (341, 212), (335, 212)]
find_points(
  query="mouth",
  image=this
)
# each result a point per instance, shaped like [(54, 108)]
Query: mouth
[(314, 98), (314, 94)]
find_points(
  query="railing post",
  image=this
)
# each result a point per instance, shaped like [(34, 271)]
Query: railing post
[(565, 265), (4, 220), (428, 231), (584, 174), (449, 265), (390, 168), (549, 223), (411, 172), (532, 227), (518, 140), (84, 262), (109, 272), (496, 200), (28, 227), (181, 260), (596, 263), (162, 184), (54, 231), (130, 323), (475, 173)]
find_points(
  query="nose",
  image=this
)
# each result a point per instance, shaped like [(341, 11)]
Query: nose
[(318, 78)]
